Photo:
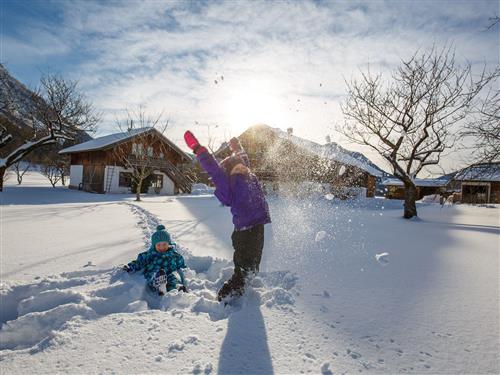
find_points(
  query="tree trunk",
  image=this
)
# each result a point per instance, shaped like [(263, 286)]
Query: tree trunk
[(410, 198), (2, 174), (63, 180), (138, 191)]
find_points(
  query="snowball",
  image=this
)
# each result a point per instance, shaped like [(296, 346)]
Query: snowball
[(342, 170), (329, 196), (382, 258), (320, 236)]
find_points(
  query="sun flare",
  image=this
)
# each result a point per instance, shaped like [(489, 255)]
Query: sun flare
[(256, 102)]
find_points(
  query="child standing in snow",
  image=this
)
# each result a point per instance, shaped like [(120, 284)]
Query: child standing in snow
[(239, 189), (159, 264)]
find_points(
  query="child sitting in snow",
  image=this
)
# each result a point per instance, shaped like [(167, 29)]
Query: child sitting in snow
[(159, 264), (237, 187)]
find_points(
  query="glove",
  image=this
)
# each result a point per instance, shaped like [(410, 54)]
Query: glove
[(182, 288), (193, 143), (126, 268)]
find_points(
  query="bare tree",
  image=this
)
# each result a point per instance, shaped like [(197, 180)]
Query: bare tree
[(58, 111), (409, 119), (51, 171), (21, 169), (493, 21), (144, 154), (484, 125)]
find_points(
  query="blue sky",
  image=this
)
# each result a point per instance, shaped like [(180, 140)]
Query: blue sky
[(282, 62)]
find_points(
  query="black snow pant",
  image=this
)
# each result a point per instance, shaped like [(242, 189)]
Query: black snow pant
[(248, 245)]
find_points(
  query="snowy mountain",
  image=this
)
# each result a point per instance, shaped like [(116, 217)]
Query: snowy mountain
[(15, 100), (16, 104)]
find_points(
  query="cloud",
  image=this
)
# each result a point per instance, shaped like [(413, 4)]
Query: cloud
[(168, 55)]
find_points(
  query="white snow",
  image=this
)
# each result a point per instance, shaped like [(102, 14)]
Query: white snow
[(342, 170), (423, 182), (382, 258), (320, 236), (480, 172), (66, 307), (330, 151), (105, 141)]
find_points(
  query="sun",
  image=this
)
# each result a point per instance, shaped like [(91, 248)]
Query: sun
[(252, 103)]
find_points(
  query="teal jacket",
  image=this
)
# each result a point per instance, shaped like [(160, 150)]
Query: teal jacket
[(151, 261)]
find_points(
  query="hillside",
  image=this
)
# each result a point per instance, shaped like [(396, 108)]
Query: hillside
[(17, 113)]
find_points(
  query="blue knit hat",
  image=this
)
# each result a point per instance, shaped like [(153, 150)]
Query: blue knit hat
[(161, 235)]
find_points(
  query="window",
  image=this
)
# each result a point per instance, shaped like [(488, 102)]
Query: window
[(125, 179), (137, 149), (150, 151), (157, 181)]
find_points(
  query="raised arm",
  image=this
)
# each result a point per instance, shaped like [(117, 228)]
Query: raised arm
[(212, 167)]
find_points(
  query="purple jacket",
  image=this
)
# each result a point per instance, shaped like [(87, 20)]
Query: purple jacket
[(243, 193)]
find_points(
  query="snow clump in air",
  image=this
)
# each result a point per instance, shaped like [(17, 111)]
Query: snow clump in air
[(382, 258), (342, 170), (320, 236)]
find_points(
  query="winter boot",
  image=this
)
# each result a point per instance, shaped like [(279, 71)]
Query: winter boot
[(234, 287), (160, 282)]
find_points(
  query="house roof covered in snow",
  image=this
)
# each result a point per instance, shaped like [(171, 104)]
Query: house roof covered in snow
[(330, 151), (421, 182), (480, 172), (111, 140)]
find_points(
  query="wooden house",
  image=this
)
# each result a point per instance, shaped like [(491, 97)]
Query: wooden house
[(480, 183), (98, 165), (396, 190), (284, 161)]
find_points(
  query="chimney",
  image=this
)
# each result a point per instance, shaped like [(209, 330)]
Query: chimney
[(289, 131)]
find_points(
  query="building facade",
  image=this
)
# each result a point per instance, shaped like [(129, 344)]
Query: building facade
[(285, 162), (480, 183), (107, 164)]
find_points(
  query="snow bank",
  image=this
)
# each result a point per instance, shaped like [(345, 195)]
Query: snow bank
[(33, 312), (201, 189)]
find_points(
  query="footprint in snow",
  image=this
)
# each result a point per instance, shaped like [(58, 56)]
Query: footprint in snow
[(325, 369), (353, 355)]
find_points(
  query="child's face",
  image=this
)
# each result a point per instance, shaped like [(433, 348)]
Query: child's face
[(162, 247)]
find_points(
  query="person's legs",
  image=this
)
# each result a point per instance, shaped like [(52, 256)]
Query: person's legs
[(248, 245)]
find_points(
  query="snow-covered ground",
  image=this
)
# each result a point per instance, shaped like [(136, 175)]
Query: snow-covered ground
[(344, 287)]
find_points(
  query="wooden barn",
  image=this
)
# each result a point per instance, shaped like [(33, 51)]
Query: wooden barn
[(99, 165), (283, 161), (395, 188), (480, 183)]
